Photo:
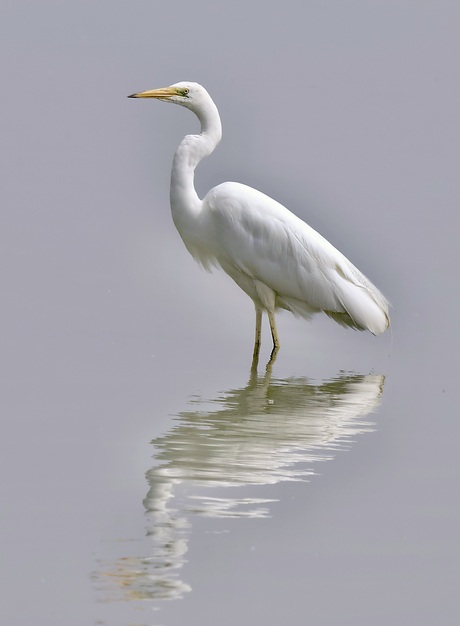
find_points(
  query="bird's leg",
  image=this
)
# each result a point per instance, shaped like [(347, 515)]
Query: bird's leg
[(276, 341), (258, 329), (255, 354)]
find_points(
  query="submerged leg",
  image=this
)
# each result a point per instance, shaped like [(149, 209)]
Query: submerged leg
[(255, 354)]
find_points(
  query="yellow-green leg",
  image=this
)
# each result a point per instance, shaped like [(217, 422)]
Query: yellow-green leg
[(271, 319), (276, 341), (255, 354)]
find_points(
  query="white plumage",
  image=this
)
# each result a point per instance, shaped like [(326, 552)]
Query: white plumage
[(274, 256)]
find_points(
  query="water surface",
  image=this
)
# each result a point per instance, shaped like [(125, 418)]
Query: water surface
[(147, 476)]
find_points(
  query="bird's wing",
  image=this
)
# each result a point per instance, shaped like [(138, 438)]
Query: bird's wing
[(264, 240)]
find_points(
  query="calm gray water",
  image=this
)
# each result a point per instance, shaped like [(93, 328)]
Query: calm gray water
[(148, 477)]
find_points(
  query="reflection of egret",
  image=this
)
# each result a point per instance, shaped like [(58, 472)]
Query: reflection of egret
[(263, 433), (275, 257), (210, 462)]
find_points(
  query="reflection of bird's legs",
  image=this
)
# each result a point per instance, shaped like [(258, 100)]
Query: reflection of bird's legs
[(276, 341), (255, 354)]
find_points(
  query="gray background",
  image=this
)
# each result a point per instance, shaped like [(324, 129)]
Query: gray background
[(347, 113)]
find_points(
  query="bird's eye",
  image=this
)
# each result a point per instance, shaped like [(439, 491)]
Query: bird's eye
[(185, 91)]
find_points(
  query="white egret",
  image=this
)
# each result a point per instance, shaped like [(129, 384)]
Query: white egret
[(274, 256)]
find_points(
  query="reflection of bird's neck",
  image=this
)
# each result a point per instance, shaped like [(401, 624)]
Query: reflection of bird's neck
[(185, 203)]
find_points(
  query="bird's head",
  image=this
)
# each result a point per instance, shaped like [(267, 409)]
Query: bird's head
[(194, 97), (190, 95)]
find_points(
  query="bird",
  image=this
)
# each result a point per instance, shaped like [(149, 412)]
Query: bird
[(275, 257)]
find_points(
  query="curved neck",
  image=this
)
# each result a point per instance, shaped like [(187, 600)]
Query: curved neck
[(185, 203)]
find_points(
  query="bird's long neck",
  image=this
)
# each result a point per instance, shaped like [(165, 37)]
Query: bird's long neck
[(185, 203)]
